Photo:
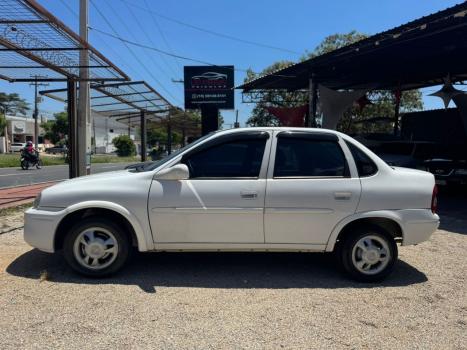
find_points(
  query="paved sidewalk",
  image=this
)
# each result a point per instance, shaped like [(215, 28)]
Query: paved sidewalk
[(13, 196)]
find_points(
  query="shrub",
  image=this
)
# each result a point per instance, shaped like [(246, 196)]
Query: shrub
[(124, 145)]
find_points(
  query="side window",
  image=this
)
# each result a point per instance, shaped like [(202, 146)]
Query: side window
[(365, 166), (237, 158), (300, 157)]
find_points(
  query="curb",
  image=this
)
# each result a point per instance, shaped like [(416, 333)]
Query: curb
[(33, 184)]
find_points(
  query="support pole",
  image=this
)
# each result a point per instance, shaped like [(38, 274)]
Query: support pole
[(84, 112), (72, 128), (397, 96), (312, 105), (237, 124), (169, 136), (35, 116), (143, 137), (209, 119)]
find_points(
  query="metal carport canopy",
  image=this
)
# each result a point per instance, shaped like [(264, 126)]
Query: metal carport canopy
[(36, 46), (135, 98), (125, 97), (417, 54)]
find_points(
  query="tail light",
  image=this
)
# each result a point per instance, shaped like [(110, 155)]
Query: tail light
[(434, 200)]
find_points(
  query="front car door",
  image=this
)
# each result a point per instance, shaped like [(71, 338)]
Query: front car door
[(312, 185), (223, 201)]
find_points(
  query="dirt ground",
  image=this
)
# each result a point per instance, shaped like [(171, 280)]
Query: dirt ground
[(233, 300)]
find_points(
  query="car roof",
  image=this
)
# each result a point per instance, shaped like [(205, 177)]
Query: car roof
[(273, 128)]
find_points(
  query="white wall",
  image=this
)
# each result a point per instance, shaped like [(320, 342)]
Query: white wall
[(105, 129)]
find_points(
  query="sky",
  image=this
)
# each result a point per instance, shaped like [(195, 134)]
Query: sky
[(290, 27)]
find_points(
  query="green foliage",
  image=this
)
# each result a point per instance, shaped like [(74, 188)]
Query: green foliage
[(158, 134), (355, 120), (382, 106), (2, 124), (260, 116), (13, 104), (334, 42), (124, 145), (55, 130)]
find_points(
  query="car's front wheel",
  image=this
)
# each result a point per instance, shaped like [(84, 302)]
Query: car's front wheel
[(96, 247), (368, 254)]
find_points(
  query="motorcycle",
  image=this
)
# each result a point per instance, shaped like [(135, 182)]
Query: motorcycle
[(27, 161)]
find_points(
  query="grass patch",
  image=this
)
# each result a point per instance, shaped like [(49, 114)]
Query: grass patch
[(14, 210), (8, 160), (106, 158)]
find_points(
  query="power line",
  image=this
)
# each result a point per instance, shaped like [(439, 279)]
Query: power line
[(134, 37), (161, 32), (148, 37), (222, 35), (70, 9), (158, 50), (131, 51)]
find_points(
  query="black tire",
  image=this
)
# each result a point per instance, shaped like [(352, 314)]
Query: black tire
[(39, 164), (123, 251), (348, 253), (24, 165)]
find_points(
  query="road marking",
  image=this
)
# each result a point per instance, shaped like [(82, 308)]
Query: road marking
[(108, 167), (16, 174)]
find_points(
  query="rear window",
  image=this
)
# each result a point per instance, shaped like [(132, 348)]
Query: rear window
[(301, 157), (365, 166)]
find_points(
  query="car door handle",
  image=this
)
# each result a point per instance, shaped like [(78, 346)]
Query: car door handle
[(249, 194), (342, 196)]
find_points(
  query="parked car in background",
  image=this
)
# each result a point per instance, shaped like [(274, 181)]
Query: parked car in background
[(255, 189), (56, 150), (17, 146), (448, 171)]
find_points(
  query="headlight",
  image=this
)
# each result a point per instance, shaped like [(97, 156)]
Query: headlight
[(36, 202)]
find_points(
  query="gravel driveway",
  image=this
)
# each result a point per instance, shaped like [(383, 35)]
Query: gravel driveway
[(233, 300)]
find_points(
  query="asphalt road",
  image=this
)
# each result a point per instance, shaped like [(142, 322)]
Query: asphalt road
[(16, 176)]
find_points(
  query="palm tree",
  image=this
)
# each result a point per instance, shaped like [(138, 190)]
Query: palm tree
[(13, 103)]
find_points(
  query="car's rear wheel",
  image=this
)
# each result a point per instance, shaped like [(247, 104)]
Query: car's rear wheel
[(368, 254), (96, 247)]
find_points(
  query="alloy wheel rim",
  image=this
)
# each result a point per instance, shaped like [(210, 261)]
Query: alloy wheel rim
[(371, 254), (95, 248)]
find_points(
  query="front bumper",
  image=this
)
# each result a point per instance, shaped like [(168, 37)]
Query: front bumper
[(40, 226), (418, 225)]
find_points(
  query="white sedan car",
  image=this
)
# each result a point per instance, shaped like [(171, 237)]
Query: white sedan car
[(255, 189)]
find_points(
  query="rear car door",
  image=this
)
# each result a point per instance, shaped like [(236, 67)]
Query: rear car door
[(310, 187)]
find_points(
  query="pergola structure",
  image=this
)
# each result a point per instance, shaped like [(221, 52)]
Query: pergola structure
[(35, 46), (133, 103), (421, 53)]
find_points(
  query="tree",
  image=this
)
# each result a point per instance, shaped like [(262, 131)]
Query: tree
[(378, 116), (260, 116), (2, 124), (13, 103), (382, 101), (56, 129), (124, 145)]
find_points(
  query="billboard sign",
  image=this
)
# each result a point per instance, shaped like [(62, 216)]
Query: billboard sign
[(18, 127), (209, 85)]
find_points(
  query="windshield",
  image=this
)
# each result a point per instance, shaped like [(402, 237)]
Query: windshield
[(153, 165)]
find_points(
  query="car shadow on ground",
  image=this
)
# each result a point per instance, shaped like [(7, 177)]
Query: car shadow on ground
[(215, 270)]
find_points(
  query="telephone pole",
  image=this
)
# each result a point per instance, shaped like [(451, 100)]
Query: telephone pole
[(35, 114), (83, 151)]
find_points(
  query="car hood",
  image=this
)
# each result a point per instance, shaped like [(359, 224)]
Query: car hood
[(109, 186)]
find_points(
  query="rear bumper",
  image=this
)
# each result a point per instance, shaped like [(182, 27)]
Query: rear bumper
[(418, 225), (40, 227)]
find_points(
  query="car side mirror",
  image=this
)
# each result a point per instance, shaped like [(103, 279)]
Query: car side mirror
[(176, 172)]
